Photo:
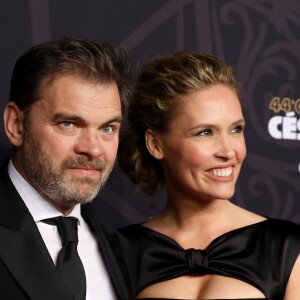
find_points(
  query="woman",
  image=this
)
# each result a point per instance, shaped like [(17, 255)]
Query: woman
[(185, 131)]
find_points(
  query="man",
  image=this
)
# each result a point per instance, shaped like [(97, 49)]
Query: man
[(63, 119)]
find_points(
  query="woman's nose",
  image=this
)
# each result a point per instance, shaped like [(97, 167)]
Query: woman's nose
[(225, 148)]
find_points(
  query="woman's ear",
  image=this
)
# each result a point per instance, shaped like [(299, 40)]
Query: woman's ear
[(13, 123), (153, 144)]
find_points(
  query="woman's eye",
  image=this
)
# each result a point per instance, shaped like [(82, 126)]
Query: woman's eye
[(238, 129), (205, 132)]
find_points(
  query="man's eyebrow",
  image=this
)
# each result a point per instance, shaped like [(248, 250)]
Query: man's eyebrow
[(68, 117), (117, 119), (74, 118)]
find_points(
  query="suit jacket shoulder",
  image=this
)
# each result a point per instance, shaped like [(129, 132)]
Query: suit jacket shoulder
[(26, 268)]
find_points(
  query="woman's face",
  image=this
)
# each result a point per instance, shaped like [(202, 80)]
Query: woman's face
[(203, 150)]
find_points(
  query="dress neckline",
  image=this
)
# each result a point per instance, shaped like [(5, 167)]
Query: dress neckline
[(212, 242)]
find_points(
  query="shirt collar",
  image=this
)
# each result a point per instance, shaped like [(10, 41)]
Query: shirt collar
[(38, 207)]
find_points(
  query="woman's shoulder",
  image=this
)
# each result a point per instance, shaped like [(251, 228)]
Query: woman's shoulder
[(137, 229), (282, 226), (132, 231), (265, 223)]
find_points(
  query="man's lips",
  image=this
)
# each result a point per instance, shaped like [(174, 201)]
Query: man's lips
[(85, 170)]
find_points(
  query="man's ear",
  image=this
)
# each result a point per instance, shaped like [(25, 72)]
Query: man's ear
[(13, 123), (153, 144)]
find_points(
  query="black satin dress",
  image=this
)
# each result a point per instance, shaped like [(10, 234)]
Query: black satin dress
[(261, 254)]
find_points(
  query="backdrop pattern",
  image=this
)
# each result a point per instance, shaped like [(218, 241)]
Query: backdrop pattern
[(259, 38)]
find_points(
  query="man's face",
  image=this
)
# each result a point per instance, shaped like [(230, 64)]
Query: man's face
[(70, 141)]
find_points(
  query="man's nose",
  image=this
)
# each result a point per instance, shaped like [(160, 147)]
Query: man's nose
[(88, 144)]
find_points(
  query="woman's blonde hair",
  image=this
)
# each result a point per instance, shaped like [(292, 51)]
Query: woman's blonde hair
[(160, 87)]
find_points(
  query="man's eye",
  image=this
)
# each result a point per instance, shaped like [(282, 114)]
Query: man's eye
[(107, 129), (67, 124)]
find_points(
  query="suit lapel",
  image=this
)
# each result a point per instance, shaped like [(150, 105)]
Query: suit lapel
[(111, 253), (22, 249), (27, 258)]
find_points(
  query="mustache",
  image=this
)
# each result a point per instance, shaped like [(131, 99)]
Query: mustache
[(83, 162)]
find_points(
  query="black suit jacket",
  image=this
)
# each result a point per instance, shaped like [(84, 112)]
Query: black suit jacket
[(26, 268)]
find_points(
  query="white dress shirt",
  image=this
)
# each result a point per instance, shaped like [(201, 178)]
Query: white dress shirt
[(98, 283)]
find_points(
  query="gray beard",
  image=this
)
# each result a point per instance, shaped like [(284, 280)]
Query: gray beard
[(52, 183)]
